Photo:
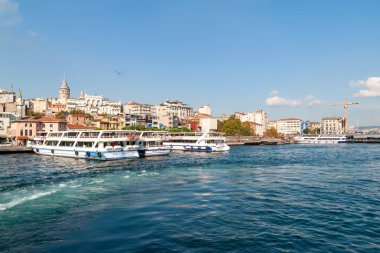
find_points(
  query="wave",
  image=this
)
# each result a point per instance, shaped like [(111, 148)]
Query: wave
[(19, 201)]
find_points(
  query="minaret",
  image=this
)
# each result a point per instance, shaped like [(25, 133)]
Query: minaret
[(64, 92), (20, 105)]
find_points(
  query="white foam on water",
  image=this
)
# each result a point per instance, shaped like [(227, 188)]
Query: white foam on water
[(75, 186), (98, 181), (18, 201), (61, 185), (127, 176)]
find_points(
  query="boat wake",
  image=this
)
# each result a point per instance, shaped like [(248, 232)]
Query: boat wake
[(18, 201)]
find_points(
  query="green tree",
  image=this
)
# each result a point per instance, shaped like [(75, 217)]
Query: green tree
[(272, 133), (61, 114), (31, 113), (184, 129), (233, 126)]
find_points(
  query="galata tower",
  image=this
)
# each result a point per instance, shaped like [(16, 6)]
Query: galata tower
[(64, 92)]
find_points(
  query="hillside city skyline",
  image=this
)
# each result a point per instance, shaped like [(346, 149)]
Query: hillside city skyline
[(294, 59)]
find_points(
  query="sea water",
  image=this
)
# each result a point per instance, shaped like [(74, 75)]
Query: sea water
[(286, 198)]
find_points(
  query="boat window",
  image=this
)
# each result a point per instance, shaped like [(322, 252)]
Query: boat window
[(89, 135), (85, 144), (72, 134), (51, 143), (66, 144)]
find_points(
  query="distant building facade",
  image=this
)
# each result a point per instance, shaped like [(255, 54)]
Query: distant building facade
[(94, 105), (26, 129), (205, 109), (332, 125), (289, 126)]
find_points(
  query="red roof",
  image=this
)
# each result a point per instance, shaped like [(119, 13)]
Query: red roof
[(42, 119), (71, 126), (288, 119), (22, 138)]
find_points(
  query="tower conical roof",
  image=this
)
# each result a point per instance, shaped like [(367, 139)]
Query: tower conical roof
[(64, 84)]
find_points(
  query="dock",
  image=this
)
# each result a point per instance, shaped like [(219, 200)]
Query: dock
[(15, 149), (252, 140)]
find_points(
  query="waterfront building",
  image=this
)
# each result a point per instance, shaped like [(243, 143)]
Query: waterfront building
[(110, 122), (289, 126), (243, 117), (94, 104), (223, 117), (79, 119), (314, 126), (39, 105), (203, 123), (272, 124), (134, 108), (5, 122), (149, 121), (64, 92), (258, 128), (7, 96), (173, 114), (25, 129), (205, 109), (259, 117), (332, 125)]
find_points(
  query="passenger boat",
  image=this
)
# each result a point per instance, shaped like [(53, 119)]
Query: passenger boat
[(320, 139), (152, 141), (197, 142), (97, 145)]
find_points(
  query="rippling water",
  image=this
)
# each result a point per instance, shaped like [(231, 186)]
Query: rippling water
[(260, 198)]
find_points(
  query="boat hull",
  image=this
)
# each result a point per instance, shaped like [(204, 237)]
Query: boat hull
[(162, 151), (92, 154)]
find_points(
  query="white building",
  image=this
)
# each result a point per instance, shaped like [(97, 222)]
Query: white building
[(7, 96), (260, 118), (139, 109), (172, 113), (94, 105), (208, 125), (39, 105), (5, 122), (289, 126), (205, 109), (332, 125)]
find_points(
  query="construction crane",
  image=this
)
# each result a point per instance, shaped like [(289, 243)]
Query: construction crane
[(345, 106)]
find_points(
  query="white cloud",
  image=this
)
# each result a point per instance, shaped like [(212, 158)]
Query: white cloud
[(371, 87), (274, 92), (32, 33), (275, 100), (9, 13), (312, 101)]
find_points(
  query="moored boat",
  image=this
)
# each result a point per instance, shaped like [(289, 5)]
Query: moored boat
[(197, 142), (152, 142), (321, 139), (96, 145)]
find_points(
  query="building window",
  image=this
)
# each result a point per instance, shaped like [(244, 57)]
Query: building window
[(51, 125), (21, 132), (30, 132), (26, 124), (30, 124)]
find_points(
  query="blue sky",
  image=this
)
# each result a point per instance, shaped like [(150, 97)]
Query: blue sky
[(290, 58)]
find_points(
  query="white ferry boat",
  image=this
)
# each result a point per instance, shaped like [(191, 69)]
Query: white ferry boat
[(320, 139), (97, 145), (197, 142), (152, 141)]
